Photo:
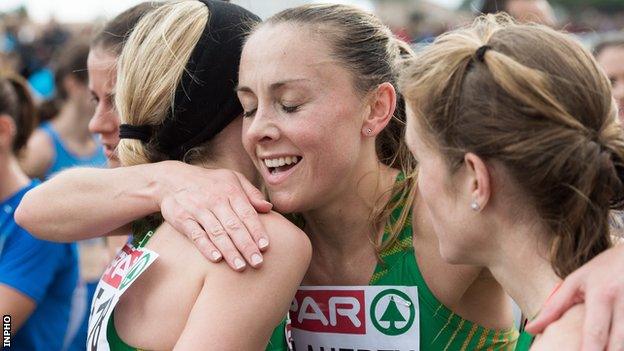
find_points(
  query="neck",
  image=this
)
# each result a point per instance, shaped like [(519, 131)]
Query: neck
[(522, 267), (342, 225), (13, 178), (73, 122)]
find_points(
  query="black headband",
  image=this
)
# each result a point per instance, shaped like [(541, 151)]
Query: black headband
[(205, 101), (143, 133)]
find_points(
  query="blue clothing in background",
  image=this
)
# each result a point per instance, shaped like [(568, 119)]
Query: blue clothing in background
[(64, 158), (44, 271), (42, 83)]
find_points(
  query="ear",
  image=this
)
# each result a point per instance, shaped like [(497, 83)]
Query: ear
[(479, 180), (7, 132), (382, 105)]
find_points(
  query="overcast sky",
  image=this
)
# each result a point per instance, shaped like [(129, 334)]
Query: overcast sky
[(86, 10)]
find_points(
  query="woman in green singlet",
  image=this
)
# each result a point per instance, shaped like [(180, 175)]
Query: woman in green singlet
[(520, 158)]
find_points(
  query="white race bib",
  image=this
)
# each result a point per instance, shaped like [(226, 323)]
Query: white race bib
[(127, 266), (356, 318)]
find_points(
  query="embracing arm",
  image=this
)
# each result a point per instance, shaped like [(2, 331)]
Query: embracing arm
[(237, 311), (82, 203), (206, 205)]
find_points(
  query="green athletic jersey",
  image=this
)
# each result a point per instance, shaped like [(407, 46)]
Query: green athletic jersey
[(524, 342), (440, 328)]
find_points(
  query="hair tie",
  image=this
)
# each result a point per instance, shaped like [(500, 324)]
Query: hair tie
[(143, 133), (480, 54)]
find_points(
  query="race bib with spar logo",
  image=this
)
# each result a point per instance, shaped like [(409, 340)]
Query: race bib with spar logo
[(355, 318), (129, 264)]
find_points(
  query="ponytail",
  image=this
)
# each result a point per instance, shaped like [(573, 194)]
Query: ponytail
[(17, 102)]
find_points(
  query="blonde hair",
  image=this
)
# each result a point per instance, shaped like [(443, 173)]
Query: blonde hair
[(151, 65), (537, 102), (369, 50)]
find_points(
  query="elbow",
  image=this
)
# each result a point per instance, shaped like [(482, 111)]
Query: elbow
[(22, 215), (25, 217)]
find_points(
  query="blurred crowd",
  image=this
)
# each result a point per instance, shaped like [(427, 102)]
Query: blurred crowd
[(52, 57)]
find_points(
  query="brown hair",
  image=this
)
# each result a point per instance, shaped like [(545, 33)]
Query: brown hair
[(609, 43), (536, 102), (492, 6), (16, 102), (72, 62), (114, 34), (366, 47)]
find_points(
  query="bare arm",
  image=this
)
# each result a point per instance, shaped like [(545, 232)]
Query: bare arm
[(17, 305), (83, 203), (239, 311), (216, 209)]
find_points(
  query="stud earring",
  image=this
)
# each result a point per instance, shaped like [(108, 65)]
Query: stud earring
[(368, 131), (474, 205)]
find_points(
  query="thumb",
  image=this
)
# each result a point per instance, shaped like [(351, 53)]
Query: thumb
[(568, 295), (256, 197)]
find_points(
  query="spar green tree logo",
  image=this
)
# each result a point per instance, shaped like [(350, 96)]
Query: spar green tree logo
[(392, 321)]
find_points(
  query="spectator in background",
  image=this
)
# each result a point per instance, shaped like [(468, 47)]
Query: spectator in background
[(538, 11), (66, 141), (37, 278), (63, 143), (610, 55)]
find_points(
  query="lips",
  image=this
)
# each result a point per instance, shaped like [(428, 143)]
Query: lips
[(277, 168)]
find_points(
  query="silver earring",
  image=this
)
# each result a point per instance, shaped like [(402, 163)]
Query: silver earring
[(474, 205), (369, 131)]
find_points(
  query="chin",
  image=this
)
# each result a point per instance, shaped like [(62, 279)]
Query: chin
[(284, 203)]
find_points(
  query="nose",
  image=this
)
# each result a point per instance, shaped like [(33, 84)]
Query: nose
[(262, 127), (104, 121)]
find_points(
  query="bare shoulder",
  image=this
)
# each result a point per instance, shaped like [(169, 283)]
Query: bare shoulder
[(38, 154), (564, 334), (288, 243), (40, 142)]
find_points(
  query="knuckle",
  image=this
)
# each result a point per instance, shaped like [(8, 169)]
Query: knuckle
[(247, 213), (610, 293), (217, 231), (232, 224)]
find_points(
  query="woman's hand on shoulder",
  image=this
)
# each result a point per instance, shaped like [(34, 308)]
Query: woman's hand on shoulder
[(217, 209), (600, 285), (564, 334)]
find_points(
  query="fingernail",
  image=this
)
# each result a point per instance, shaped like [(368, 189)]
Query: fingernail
[(238, 263), (216, 255), (263, 243), (256, 259)]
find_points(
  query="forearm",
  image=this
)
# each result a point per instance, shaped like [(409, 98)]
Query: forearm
[(84, 203)]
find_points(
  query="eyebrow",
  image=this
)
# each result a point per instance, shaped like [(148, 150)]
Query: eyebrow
[(274, 86)]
